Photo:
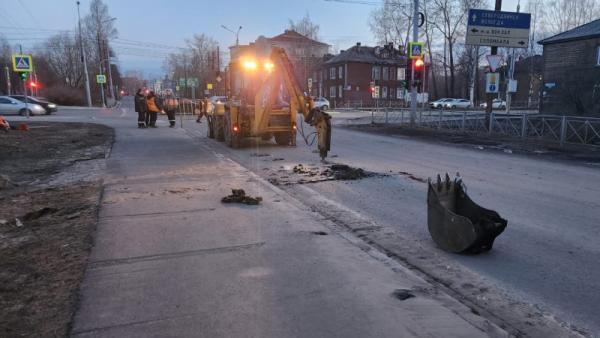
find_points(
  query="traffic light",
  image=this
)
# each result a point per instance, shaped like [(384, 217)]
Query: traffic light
[(24, 76), (32, 84), (418, 67)]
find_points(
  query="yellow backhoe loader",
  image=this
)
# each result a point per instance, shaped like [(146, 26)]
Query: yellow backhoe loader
[(265, 104)]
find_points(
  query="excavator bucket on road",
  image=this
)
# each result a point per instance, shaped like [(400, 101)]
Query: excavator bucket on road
[(456, 223)]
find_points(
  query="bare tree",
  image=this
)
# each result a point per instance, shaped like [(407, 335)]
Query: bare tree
[(63, 57), (392, 22), (562, 15), (197, 60), (306, 27)]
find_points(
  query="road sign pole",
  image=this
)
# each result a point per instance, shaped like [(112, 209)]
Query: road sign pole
[(8, 84), (413, 92), (490, 97)]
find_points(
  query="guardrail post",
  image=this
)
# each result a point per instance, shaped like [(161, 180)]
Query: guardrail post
[(386, 116), (491, 126), (464, 120), (524, 126), (420, 118), (402, 117), (440, 120), (563, 130)]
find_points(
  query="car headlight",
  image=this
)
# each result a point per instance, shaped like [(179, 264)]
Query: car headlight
[(51, 105)]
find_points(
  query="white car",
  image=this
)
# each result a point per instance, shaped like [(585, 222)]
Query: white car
[(439, 103), (8, 105), (321, 103), (496, 104), (458, 103), (217, 99)]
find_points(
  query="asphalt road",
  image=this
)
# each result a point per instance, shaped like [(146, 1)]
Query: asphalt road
[(549, 254)]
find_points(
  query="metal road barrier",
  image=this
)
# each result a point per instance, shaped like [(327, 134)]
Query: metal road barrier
[(189, 107), (562, 129)]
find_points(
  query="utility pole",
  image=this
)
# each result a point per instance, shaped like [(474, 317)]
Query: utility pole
[(110, 79), (489, 98), (88, 95), (413, 93), (511, 71), (8, 84)]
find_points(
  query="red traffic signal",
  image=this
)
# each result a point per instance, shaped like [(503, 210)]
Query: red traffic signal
[(33, 84), (419, 64)]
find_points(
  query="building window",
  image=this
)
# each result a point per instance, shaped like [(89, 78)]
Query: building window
[(340, 90), (401, 75), (384, 92), (332, 92), (400, 93), (375, 93), (392, 91), (598, 56), (385, 75), (332, 73), (340, 72), (375, 73)]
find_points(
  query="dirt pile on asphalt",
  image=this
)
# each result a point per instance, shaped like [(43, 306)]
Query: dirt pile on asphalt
[(45, 231), (239, 196), (345, 172)]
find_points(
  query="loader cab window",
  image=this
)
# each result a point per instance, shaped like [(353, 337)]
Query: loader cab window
[(598, 56)]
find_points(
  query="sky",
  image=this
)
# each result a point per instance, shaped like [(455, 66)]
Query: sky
[(170, 22)]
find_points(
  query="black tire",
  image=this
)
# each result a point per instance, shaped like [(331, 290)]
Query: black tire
[(210, 128), (231, 139), (23, 112), (453, 107), (325, 107), (219, 128), (282, 138)]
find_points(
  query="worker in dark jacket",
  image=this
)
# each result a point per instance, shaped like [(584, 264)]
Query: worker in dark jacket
[(141, 107), (170, 105)]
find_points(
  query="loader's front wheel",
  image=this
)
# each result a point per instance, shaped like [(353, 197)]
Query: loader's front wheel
[(282, 138), (210, 130), (231, 138), (219, 128)]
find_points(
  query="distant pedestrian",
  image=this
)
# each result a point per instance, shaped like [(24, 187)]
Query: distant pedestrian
[(153, 109), (141, 107), (170, 105)]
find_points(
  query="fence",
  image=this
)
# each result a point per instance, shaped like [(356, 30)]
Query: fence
[(562, 129)]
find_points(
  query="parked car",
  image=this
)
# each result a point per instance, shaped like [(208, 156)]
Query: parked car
[(439, 103), (218, 99), (48, 106), (496, 104), (8, 105), (322, 103), (458, 103)]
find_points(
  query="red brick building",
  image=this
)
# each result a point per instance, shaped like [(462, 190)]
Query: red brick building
[(345, 78)]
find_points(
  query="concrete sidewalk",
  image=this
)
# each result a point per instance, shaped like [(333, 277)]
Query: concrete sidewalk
[(170, 260)]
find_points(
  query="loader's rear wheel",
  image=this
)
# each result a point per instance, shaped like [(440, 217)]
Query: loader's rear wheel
[(210, 130), (283, 138), (231, 138), (219, 128)]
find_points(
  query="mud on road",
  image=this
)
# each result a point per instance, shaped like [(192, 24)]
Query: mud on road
[(46, 224)]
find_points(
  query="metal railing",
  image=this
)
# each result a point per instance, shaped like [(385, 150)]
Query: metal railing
[(562, 129)]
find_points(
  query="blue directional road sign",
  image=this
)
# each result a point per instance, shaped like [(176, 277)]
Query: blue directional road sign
[(497, 28)]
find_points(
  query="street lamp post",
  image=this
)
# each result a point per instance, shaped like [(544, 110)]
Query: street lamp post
[(237, 33), (88, 95)]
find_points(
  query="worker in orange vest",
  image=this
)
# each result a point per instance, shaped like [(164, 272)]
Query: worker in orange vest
[(153, 109)]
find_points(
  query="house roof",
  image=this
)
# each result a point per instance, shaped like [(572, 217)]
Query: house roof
[(586, 31), (295, 37), (365, 54)]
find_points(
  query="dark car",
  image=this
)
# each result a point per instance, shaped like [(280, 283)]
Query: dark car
[(48, 106)]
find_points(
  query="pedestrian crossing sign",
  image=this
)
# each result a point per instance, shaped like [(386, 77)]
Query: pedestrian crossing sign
[(22, 63)]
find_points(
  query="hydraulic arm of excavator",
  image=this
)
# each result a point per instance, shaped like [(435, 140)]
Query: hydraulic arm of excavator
[(302, 103)]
